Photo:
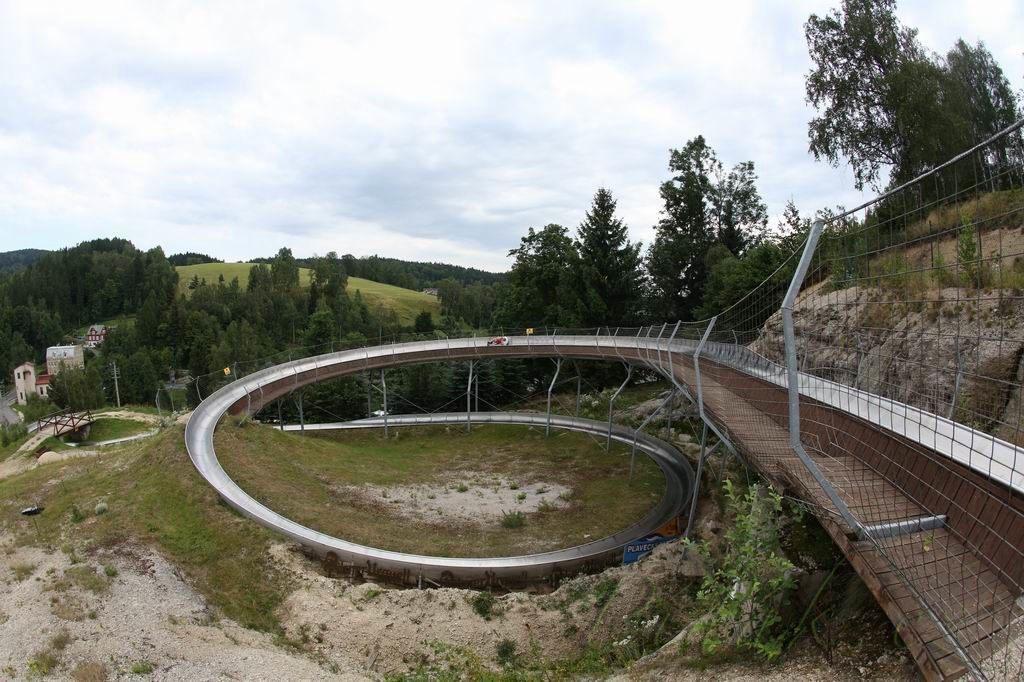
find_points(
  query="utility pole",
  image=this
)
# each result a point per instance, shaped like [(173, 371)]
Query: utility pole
[(117, 390)]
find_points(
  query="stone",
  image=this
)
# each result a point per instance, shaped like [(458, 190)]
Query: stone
[(101, 508)]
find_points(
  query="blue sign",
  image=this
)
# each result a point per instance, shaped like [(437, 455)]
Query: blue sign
[(639, 549)]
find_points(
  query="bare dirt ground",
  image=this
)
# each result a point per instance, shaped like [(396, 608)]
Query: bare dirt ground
[(144, 617), (393, 630), (470, 497)]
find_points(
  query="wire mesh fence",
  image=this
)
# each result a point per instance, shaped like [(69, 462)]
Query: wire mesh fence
[(908, 336)]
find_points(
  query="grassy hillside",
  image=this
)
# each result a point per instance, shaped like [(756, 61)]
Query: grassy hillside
[(407, 303)]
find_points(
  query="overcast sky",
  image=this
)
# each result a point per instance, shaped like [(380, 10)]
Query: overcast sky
[(425, 131)]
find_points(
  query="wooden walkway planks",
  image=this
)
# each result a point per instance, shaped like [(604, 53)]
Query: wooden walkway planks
[(930, 568)]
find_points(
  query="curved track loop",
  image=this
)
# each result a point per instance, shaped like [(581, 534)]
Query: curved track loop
[(255, 390)]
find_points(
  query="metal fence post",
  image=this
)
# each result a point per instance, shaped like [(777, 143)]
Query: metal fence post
[(793, 375), (696, 368)]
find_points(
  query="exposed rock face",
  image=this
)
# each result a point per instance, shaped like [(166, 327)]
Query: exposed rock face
[(952, 351)]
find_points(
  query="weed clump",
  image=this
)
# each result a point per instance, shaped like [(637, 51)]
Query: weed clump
[(141, 668), (506, 654), (516, 519), (483, 605)]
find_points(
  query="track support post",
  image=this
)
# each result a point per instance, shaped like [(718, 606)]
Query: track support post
[(469, 398), (611, 404), (384, 392), (551, 387), (579, 387), (632, 458)]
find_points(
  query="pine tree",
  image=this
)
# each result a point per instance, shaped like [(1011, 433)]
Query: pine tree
[(610, 273)]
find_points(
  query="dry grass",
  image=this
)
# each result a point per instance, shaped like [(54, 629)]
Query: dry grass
[(87, 578), (22, 570), (303, 477), (89, 672)]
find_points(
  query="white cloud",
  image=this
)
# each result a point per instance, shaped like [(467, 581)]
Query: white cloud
[(431, 131)]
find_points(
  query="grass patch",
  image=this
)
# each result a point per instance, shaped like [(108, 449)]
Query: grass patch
[(109, 428), (87, 578), (406, 303), (305, 478)]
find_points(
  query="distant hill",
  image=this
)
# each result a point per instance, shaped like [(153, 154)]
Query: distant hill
[(13, 260), (191, 258), (405, 302), (406, 273)]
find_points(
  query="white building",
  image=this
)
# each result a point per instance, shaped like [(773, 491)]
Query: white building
[(27, 382), (59, 357)]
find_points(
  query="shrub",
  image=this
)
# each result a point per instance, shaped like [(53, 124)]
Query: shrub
[(516, 519), (745, 591)]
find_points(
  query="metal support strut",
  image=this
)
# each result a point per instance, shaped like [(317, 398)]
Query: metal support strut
[(611, 404), (384, 392), (551, 387), (668, 400), (469, 398)]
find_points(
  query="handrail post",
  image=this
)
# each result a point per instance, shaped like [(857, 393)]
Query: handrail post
[(696, 367), (793, 375)]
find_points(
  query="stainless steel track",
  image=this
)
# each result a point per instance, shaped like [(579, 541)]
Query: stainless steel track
[(199, 441)]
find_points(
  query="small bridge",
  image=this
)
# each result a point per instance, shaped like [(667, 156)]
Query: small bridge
[(63, 422)]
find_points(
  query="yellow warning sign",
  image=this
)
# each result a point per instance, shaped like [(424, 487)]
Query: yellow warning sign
[(529, 331), (227, 370)]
